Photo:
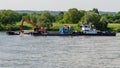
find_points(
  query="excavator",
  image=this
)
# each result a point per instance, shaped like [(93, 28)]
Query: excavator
[(37, 29)]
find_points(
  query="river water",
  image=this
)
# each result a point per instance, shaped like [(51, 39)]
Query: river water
[(59, 52)]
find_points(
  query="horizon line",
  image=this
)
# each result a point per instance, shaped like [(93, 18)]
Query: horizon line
[(52, 10)]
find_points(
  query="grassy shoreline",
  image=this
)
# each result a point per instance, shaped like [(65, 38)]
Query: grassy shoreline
[(114, 27), (111, 27)]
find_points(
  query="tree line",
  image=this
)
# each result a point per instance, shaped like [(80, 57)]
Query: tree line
[(8, 18)]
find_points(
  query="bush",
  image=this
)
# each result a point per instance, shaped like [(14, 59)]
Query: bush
[(14, 27), (114, 27), (1, 27), (118, 29), (56, 26)]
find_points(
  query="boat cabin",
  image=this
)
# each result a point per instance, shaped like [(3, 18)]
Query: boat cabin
[(88, 29)]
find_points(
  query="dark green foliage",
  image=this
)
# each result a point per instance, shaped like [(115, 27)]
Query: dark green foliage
[(46, 19), (109, 17), (41, 19), (95, 10), (59, 17), (26, 17), (1, 26), (72, 16), (116, 18), (9, 17), (93, 18), (82, 13), (103, 23)]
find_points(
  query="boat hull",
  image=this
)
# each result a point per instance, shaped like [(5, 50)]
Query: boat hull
[(74, 34), (53, 33)]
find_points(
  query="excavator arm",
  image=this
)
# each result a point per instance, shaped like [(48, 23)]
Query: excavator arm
[(33, 24)]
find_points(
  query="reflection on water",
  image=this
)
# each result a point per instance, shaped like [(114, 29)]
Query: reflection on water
[(59, 52)]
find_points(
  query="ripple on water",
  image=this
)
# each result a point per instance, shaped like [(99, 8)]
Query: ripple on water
[(59, 52)]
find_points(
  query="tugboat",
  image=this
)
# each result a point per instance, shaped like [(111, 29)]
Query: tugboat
[(87, 30)]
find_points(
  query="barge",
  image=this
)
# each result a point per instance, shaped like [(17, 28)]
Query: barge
[(87, 30), (75, 34), (56, 33)]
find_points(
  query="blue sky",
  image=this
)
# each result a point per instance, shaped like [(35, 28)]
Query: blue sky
[(62, 5)]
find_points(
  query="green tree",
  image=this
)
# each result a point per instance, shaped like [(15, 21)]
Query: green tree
[(82, 12), (34, 17), (95, 10), (116, 18), (91, 18), (72, 16), (110, 17), (59, 17), (103, 23), (99, 22), (9, 17), (1, 26), (46, 19)]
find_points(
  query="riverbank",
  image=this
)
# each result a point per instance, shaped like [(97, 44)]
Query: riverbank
[(111, 27), (114, 27)]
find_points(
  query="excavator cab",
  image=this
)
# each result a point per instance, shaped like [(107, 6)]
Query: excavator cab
[(36, 30), (39, 30)]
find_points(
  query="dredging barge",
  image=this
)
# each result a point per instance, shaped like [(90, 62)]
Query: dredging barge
[(87, 30), (55, 33)]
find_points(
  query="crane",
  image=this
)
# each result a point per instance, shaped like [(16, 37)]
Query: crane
[(36, 29)]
